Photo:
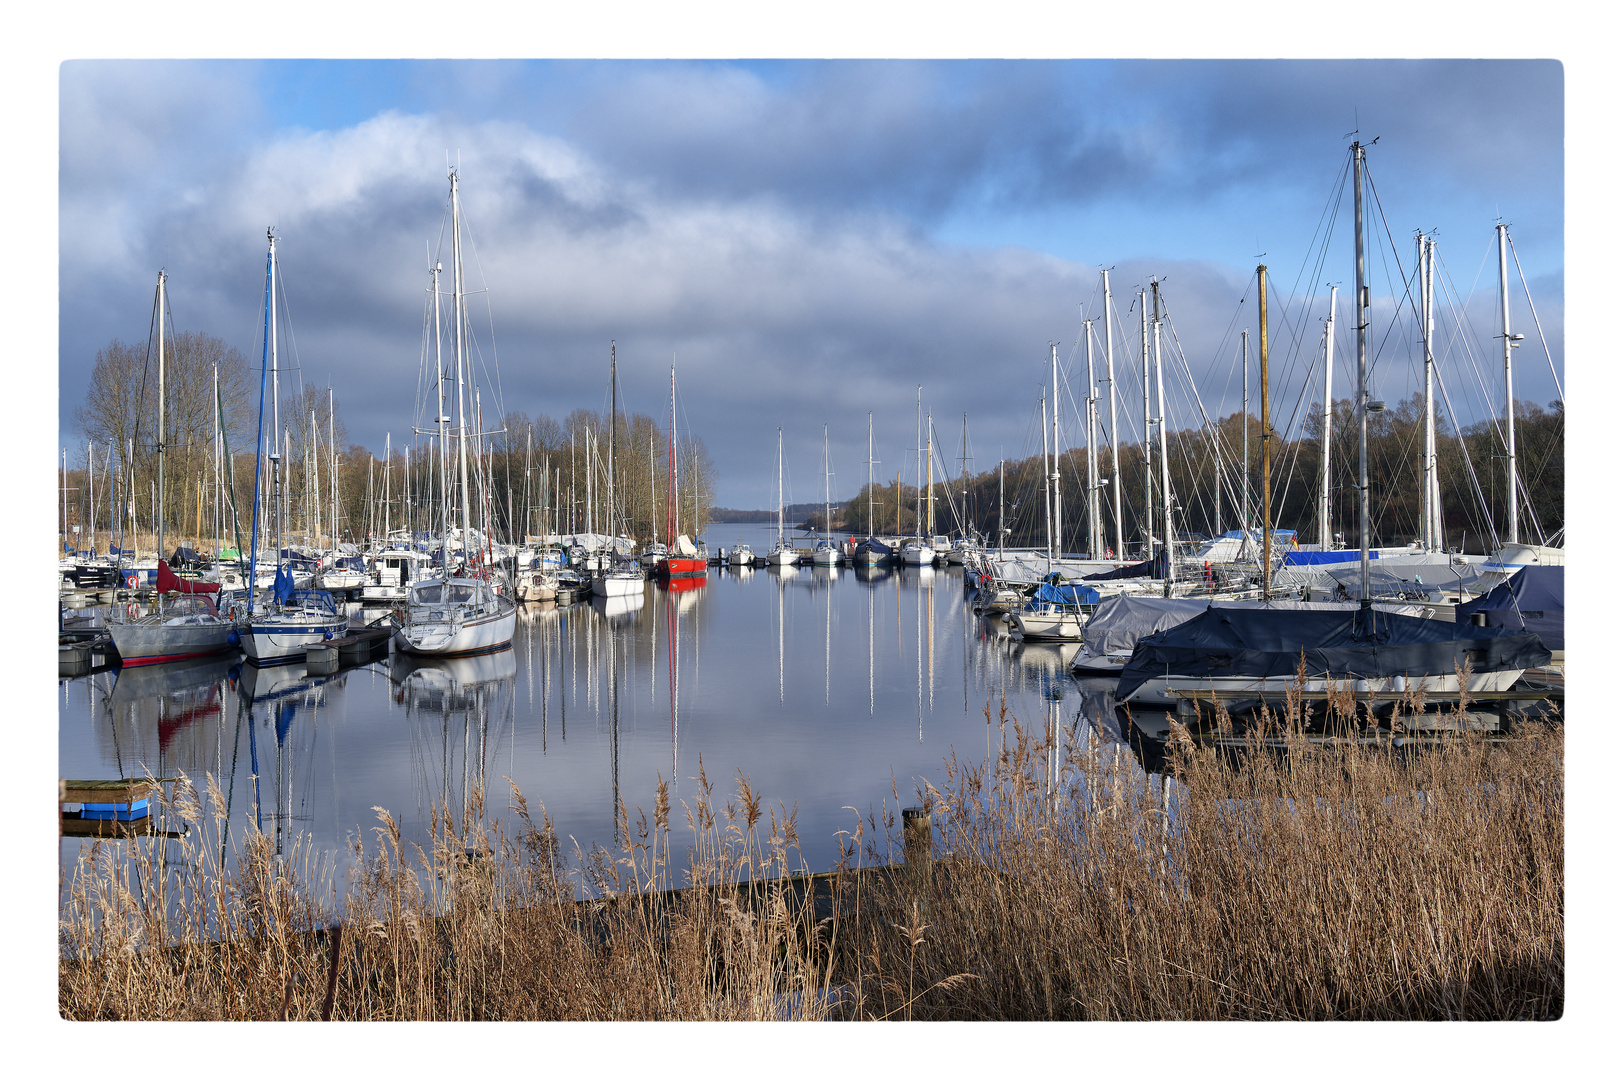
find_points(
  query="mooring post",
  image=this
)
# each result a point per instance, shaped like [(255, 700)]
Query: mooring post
[(916, 840)]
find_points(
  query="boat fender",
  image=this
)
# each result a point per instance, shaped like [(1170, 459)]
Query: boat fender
[(233, 638), (327, 636)]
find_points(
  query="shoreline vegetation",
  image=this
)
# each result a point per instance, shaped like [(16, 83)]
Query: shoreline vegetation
[(1318, 881)]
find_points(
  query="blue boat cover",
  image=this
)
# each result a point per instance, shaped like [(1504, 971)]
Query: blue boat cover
[(1358, 643), (1070, 595), (875, 545), (1534, 599), (282, 587), (1321, 558)]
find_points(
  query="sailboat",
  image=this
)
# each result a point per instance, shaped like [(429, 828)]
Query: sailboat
[(615, 576), (186, 625), (449, 613), (825, 553), (682, 559), (1362, 649), (280, 629), (781, 554)]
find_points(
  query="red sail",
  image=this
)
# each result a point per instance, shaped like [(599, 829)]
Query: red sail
[(168, 581)]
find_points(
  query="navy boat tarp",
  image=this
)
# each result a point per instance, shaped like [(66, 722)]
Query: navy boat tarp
[(1353, 644), (1534, 599)]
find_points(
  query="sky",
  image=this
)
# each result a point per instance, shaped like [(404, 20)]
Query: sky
[(806, 241)]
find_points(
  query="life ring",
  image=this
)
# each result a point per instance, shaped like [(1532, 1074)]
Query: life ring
[(132, 580), (130, 610)]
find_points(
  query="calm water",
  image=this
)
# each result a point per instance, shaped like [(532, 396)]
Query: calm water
[(822, 686)]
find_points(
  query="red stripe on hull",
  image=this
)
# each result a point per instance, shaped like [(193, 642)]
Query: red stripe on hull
[(138, 661)]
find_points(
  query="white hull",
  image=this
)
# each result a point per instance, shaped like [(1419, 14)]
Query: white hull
[(783, 556), (616, 585), (271, 639), (1049, 625), (432, 628), (917, 555)]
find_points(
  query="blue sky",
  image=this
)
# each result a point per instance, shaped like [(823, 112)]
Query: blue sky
[(806, 240)]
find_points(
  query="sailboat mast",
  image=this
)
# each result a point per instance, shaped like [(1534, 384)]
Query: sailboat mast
[(1048, 505), (1434, 501), (457, 287), (259, 441), (918, 463), (1110, 397), (825, 484), (780, 487), (332, 473), (871, 527), (929, 469), (1267, 434), (1245, 441), (445, 450), (1324, 435), (1059, 519), (614, 423), (1161, 424), (1149, 490), (670, 475), (1000, 509), (160, 515), (1095, 525), (1363, 374), (1510, 340)]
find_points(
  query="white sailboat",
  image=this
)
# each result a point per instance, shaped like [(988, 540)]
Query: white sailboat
[(781, 554), (825, 553), (449, 614), (279, 628), (184, 626)]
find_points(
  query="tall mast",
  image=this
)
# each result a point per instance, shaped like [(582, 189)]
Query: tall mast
[(1161, 424), (871, 527), (1363, 374), (388, 458), (1510, 340), (918, 463), (332, 473), (614, 424), (1324, 436), (1059, 519), (825, 483), (445, 449), (1267, 434), (1110, 396), (259, 441), (1434, 502), (161, 305), (929, 467), (1048, 505), (1095, 525), (460, 346), (1149, 491), (780, 487), (277, 460), (1000, 507), (670, 480), (1245, 442), (218, 523)]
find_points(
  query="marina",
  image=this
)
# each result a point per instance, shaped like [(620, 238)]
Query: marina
[(609, 691)]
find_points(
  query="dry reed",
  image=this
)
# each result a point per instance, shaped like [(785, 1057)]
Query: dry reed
[(1342, 881)]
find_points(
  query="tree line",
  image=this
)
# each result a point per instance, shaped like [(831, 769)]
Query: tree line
[(533, 475), (1215, 471)]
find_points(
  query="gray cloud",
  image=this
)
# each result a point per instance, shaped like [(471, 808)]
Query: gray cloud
[(771, 229)]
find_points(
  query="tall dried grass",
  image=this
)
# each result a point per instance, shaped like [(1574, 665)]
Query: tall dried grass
[(1316, 882)]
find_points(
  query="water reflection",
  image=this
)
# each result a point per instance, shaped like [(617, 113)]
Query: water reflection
[(819, 684)]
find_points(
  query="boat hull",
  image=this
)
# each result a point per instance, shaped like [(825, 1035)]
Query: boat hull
[(1157, 691), (616, 585), (1049, 625), (157, 643), (678, 566), (460, 637), (277, 641)]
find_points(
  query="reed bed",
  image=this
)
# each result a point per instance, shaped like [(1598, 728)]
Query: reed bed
[(1295, 882)]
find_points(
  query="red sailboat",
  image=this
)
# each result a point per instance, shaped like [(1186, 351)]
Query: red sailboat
[(682, 559)]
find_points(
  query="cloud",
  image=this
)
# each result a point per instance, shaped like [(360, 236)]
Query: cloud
[(774, 230)]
